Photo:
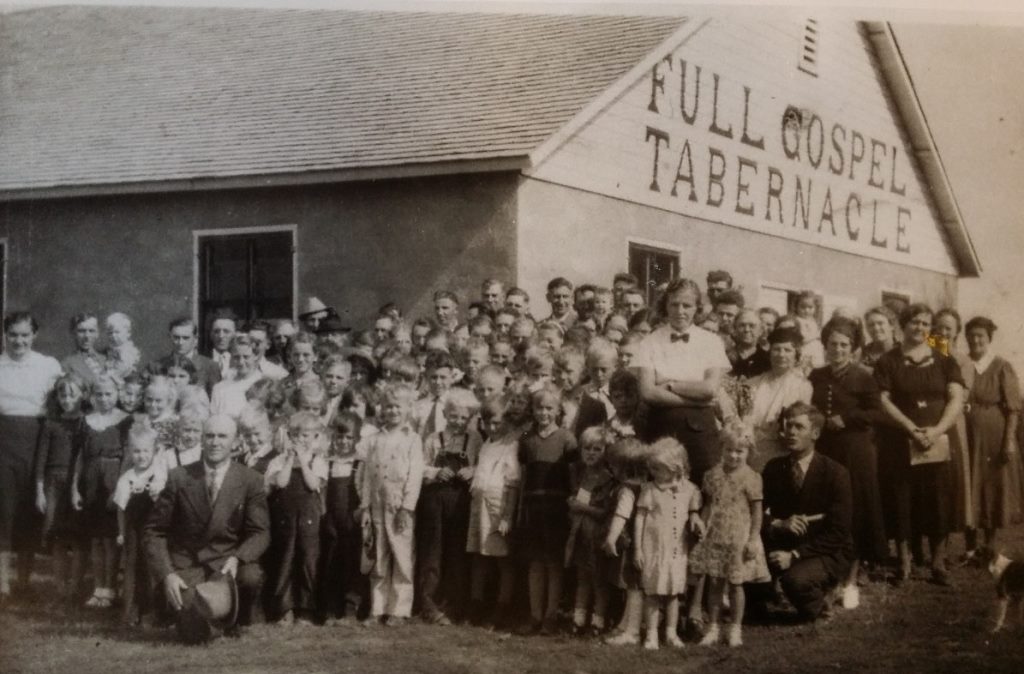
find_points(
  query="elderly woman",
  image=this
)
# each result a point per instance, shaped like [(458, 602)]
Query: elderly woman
[(880, 325), (772, 392), (26, 379), (993, 410), (947, 328), (922, 393), (680, 368), (846, 393)]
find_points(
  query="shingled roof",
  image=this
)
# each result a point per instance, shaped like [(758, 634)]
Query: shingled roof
[(101, 96)]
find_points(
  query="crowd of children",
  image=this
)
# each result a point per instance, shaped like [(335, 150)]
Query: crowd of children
[(433, 467)]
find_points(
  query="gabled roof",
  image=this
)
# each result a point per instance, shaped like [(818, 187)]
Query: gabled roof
[(115, 99), (901, 86)]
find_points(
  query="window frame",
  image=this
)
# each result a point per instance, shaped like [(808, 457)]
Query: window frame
[(199, 234), (658, 248)]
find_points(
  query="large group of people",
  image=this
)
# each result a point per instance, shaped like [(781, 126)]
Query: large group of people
[(640, 473)]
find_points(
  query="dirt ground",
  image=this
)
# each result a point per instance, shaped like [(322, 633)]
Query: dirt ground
[(917, 627)]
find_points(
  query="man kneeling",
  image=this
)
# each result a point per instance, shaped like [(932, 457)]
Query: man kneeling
[(210, 520), (808, 511)]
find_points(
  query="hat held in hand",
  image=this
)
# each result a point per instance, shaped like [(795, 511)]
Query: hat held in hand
[(212, 603)]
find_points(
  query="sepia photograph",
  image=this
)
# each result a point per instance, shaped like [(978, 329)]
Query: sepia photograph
[(507, 336)]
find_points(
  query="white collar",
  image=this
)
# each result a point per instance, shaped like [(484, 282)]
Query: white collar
[(982, 363), (99, 422), (219, 470), (26, 361), (805, 463)]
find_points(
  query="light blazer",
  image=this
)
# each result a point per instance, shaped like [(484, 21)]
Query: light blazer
[(184, 531)]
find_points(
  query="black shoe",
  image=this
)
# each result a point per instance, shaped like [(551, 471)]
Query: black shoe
[(940, 576), (529, 629), (549, 627)]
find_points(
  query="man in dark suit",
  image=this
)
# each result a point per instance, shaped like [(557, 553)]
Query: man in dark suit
[(211, 518), (808, 511), (185, 340)]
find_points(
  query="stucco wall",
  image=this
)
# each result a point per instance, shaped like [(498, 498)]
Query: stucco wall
[(584, 236), (358, 246)]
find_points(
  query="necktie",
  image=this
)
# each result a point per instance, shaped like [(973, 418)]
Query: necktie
[(211, 485), (431, 425), (798, 475), (683, 337)]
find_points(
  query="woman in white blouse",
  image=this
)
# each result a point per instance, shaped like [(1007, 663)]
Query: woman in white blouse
[(680, 367), (772, 392), (26, 379)]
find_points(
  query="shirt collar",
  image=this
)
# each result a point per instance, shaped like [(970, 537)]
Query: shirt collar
[(29, 359), (805, 463), (982, 363), (219, 470), (550, 431)]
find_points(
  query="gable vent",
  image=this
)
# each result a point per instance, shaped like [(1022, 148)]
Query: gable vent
[(809, 48)]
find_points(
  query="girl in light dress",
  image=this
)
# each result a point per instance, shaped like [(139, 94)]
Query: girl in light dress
[(668, 509), (731, 552), (494, 491)]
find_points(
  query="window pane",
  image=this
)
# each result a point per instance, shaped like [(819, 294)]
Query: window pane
[(250, 274)]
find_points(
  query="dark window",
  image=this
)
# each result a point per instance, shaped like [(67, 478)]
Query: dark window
[(3, 278), (653, 266), (249, 274), (895, 301)]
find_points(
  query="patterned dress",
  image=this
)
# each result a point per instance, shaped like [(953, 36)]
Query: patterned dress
[(995, 478), (720, 553)]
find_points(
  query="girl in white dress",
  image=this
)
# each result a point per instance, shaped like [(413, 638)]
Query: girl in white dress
[(669, 504)]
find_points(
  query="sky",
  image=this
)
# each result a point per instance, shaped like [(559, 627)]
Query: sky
[(966, 59)]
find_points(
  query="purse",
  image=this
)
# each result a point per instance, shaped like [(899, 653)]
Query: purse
[(937, 453)]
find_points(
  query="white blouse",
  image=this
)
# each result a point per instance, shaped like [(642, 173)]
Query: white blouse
[(681, 360), (25, 384)]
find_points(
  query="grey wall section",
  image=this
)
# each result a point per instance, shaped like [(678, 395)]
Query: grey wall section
[(564, 231), (358, 245)]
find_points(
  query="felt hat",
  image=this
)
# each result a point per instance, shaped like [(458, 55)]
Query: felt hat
[(212, 603), (331, 324), (314, 306), (361, 353)]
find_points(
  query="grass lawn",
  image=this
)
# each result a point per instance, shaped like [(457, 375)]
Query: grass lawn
[(918, 627)]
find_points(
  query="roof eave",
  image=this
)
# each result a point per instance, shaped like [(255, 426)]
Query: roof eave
[(287, 179), (901, 86)]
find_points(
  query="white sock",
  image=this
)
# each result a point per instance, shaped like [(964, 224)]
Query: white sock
[(597, 621), (579, 617)]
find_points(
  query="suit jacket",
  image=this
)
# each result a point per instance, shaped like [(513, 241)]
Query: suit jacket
[(592, 412), (185, 531), (207, 372), (825, 490)]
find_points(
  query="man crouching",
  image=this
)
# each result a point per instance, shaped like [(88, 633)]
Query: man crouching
[(210, 521)]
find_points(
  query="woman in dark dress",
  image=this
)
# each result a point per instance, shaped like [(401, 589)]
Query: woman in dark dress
[(922, 393), (880, 325), (846, 393)]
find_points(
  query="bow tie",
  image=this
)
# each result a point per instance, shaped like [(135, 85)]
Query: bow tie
[(680, 336)]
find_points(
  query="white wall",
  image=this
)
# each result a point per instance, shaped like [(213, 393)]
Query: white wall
[(565, 231), (819, 196)]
